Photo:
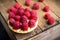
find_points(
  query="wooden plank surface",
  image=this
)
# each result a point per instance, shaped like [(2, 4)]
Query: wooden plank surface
[(54, 5), (40, 13), (50, 34)]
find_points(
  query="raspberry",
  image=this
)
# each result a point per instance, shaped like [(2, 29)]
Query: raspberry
[(35, 6), (17, 18), (27, 14), (27, 2), (11, 21), (24, 19), (24, 26), (41, 0), (46, 8), (20, 12), (47, 16), (28, 9), (32, 23), (33, 14), (11, 15), (17, 5), (12, 9), (51, 20), (16, 25)]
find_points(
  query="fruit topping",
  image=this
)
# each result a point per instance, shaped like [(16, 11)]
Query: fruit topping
[(35, 6), (46, 8)]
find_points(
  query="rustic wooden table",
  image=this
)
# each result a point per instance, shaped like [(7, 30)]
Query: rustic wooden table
[(43, 31)]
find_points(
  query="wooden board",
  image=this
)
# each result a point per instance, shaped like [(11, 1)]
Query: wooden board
[(40, 13), (54, 5), (50, 34)]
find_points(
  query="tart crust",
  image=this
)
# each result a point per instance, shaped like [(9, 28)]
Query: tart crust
[(21, 31)]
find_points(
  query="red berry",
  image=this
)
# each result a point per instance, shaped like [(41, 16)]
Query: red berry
[(51, 20), (17, 5), (17, 18), (27, 14), (12, 9), (16, 25), (35, 6), (41, 0), (27, 2), (46, 8), (33, 14), (11, 21), (32, 23), (47, 16), (11, 15), (24, 19), (27, 9), (20, 12), (24, 26)]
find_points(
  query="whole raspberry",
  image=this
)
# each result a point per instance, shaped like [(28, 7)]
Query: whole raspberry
[(51, 20), (24, 26), (27, 14), (16, 25), (12, 9), (11, 15), (40, 0), (11, 21), (24, 19), (35, 6), (17, 18), (17, 5), (33, 14), (20, 12), (32, 23), (46, 8), (47, 16), (27, 9), (27, 2)]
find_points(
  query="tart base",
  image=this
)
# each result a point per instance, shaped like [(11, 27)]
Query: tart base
[(21, 31)]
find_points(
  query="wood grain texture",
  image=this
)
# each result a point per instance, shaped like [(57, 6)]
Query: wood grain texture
[(40, 13), (50, 34), (54, 5)]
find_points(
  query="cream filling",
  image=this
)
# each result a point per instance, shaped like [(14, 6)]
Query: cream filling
[(21, 31)]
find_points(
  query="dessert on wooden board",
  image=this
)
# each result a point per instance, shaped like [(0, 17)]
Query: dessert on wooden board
[(24, 20)]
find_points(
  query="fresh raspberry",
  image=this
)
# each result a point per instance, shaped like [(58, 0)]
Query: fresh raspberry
[(32, 23), (17, 5), (20, 11), (27, 2), (11, 15), (11, 21), (47, 16), (17, 18), (24, 19), (16, 25), (27, 9), (40, 0), (20, 8), (27, 14), (35, 6), (24, 26), (46, 8), (12, 9), (33, 14), (51, 20)]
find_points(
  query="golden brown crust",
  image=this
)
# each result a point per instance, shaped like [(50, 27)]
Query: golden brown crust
[(21, 31)]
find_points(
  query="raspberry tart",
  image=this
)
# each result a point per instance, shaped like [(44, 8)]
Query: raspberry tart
[(22, 20)]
